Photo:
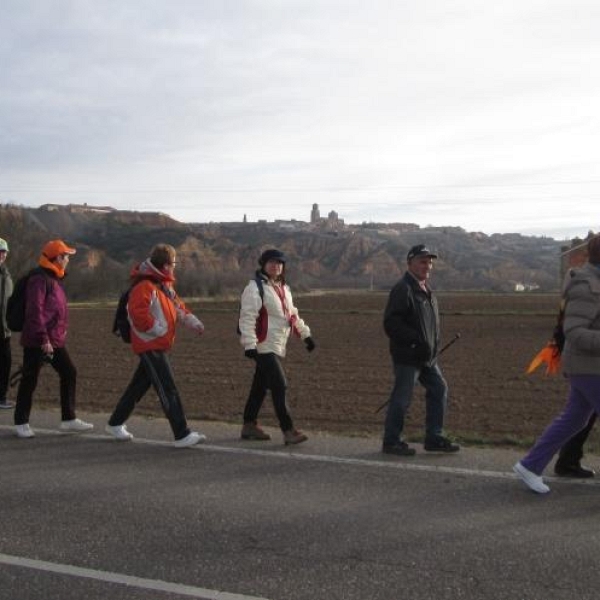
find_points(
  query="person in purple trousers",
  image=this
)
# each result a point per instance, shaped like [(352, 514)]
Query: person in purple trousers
[(581, 365)]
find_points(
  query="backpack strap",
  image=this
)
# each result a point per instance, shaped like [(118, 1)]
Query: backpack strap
[(48, 280), (261, 289)]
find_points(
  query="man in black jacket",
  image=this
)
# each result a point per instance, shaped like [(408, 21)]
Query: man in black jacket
[(411, 321)]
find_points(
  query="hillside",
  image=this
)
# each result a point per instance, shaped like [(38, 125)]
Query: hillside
[(218, 258)]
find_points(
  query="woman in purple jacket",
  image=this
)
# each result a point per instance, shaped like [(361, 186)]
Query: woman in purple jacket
[(43, 339), (581, 364)]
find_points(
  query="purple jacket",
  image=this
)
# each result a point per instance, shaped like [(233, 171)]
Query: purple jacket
[(46, 312)]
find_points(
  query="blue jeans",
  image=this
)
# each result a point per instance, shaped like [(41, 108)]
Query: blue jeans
[(436, 397), (583, 400)]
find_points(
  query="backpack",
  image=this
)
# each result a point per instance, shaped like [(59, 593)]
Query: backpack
[(261, 320), (121, 325), (16, 305)]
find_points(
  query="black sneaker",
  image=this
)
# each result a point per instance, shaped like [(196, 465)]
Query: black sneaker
[(399, 449), (6, 404), (440, 444), (576, 471)]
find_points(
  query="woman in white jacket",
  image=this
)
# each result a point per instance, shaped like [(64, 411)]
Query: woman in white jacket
[(267, 317)]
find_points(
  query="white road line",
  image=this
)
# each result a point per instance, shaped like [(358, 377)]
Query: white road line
[(402, 465), (389, 464), (108, 577)]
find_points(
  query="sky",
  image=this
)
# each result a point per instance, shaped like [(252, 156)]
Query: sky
[(469, 113)]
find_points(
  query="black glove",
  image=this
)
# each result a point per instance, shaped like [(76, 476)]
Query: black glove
[(251, 353), (310, 344)]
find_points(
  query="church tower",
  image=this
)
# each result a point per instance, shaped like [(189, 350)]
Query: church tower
[(315, 215)]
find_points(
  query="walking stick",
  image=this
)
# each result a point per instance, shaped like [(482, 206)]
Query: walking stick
[(442, 350)]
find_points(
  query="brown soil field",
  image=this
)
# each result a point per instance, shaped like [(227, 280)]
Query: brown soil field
[(339, 387)]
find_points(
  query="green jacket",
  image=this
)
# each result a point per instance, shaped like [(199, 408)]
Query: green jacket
[(6, 290)]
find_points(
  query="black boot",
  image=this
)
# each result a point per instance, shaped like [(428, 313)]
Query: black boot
[(574, 470)]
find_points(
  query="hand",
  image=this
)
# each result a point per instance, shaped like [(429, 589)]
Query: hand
[(251, 353), (310, 344)]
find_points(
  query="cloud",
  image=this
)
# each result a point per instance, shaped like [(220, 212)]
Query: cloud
[(214, 109)]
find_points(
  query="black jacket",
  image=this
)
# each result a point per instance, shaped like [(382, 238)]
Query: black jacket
[(411, 321)]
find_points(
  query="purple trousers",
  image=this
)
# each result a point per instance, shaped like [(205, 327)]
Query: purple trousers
[(583, 400)]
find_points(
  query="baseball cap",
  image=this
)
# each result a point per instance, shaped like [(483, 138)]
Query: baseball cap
[(3, 245), (55, 248), (420, 250)]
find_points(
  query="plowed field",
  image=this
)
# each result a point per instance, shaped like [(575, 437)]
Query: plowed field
[(340, 386)]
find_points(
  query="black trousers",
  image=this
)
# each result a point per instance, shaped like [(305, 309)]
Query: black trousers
[(33, 360), (572, 452), (268, 375), (153, 370), (5, 366)]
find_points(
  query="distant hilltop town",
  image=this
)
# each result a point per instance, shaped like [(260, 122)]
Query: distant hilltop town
[(330, 223), (333, 224)]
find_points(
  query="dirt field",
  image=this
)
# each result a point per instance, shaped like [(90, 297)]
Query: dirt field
[(339, 387)]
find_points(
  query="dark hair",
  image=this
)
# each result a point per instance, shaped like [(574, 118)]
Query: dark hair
[(162, 254), (593, 249)]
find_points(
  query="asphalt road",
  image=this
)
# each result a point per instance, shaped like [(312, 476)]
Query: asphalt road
[(87, 518)]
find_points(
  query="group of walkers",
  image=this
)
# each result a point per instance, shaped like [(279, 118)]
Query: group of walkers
[(267, 319)]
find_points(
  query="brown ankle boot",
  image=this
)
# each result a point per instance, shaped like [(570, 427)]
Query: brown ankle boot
[(251, 431), (293, 436)]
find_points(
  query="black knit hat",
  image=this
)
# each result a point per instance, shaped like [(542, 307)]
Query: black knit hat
[(271, 254)]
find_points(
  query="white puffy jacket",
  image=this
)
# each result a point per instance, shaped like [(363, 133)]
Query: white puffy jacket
[(281, 318)]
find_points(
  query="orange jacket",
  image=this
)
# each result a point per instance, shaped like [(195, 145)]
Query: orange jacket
[(154, 309)]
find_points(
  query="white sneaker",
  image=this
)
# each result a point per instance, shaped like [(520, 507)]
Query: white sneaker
[(119, 432), (75, 425), (191, 439), (531, 480), (24, 431)]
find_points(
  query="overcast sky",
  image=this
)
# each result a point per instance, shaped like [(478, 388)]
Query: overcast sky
[(472, 113)]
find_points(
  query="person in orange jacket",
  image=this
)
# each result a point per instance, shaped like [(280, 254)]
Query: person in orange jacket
[(153, 310)]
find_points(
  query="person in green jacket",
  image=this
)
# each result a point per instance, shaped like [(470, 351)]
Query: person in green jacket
[(6, 289)]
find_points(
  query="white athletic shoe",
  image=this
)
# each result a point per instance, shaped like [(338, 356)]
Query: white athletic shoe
[(119, 432), (531, 480), (75, 425), (191, 439), (24, 431)]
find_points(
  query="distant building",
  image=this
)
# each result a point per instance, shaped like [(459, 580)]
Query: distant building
[(526, 287), (331, 223), (315, 215)]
